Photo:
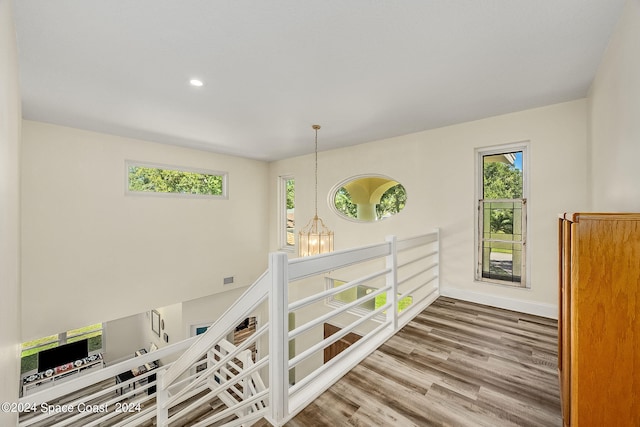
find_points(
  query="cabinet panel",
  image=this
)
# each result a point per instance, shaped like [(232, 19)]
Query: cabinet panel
[(599, 329)]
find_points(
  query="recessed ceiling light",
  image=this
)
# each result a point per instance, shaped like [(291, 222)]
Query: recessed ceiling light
[(196, 82)]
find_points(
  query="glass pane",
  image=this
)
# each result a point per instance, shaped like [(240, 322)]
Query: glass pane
[(39, 348), (502, 261), (502, 220), (29, 363), (84, 337), (343, 203), (369, 198), (157, 180), (51, 341), (502, 176), (95, 343), (86, 329), (291, 219)]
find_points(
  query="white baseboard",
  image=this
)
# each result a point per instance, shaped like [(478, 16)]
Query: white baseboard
[(539, 309)]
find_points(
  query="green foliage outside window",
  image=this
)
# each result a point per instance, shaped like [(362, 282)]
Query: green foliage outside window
[(290, 220), (344, 204), (291, 193), (503, 217), (391, 202), (501, 181), (29, 356), (156, 180)]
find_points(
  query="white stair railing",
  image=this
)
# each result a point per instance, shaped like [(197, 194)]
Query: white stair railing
[(214, 381)]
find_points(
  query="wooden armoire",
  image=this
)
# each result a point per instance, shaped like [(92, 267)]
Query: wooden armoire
[(599, 319)]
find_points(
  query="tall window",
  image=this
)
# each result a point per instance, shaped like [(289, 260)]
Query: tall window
[(30, 349), (502, 215), (287, 218)]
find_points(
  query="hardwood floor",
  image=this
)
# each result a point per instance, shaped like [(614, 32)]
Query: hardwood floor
[(456, 364)]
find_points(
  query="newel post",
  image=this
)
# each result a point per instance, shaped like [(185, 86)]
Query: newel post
[(279, 336), (392, 282)]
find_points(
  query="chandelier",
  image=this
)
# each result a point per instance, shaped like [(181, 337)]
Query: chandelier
[(315, 238)]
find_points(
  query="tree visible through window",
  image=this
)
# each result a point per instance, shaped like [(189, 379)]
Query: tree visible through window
[(290, 216), (151, 179), (502, 218), (391, 202), (286, 212)]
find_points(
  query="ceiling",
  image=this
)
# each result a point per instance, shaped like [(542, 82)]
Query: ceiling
[(363, 69)]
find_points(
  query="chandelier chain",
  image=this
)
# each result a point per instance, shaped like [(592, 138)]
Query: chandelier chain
[(316, 170)]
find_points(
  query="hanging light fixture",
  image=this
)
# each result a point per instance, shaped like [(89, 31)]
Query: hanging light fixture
[(315, 238)]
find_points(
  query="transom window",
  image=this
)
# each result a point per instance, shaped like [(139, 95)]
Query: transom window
[(502, 216), (145, 178)]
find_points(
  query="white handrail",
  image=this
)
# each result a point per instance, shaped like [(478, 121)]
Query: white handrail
[(322, 319), (240, 382), (333, 291), (300, 268), (234, 315), (335, 337)]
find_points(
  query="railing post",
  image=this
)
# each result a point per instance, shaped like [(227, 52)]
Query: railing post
[(245, 357), (279, 337), (438, 246), (162, 395), (392, 281)]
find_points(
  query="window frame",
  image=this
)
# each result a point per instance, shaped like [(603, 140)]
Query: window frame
[(135, 163), (480, 152), (282, 214)]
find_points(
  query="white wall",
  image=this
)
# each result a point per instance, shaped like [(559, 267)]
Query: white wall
[(615, 125), (10, 120), (171, 319), (124, 336), (437, 168), (91, 253), (206, 310)]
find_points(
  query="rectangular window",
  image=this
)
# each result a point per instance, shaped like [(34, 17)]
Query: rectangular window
[(171, 180), (287, 218), (30, 349), (502, 215)]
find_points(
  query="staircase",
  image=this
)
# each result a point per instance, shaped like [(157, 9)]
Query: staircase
[(207, 380)]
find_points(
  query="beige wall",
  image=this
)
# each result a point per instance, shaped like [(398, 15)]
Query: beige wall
[(122, 337), (206, 310), (615, 113), (437, 168), (92, 254), (10, 119)]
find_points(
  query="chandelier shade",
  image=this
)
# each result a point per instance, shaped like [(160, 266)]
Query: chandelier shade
[(315, 238)]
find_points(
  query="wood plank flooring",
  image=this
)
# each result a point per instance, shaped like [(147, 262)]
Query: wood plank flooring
[(456, 364)]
